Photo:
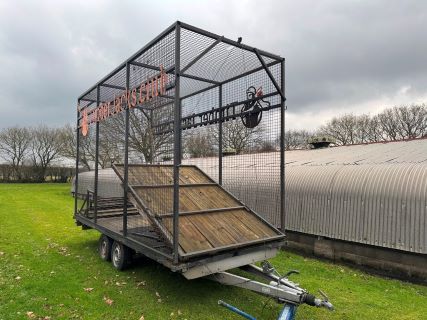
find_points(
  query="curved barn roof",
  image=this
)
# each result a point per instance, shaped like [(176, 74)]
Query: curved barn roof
[(373, 193)]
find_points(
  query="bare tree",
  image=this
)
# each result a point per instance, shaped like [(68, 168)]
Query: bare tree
[(412, 120), (389, 124), (110, 151), (68, 143), (45, 147), (14, 146), (373, 130), (143, 138), (296, 139), (238, 137), (198, 145), (343, 129), (267, 145), (362, 128)]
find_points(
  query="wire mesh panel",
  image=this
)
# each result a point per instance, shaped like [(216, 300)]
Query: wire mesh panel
[(193, 96), (200, 123), (252, 139)]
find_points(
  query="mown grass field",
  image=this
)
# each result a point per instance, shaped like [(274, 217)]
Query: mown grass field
[(49, 269)]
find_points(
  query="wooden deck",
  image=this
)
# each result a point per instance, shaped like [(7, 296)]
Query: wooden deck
[(210, 217)]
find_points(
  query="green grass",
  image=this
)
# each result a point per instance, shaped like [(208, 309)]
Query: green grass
[(46, 262)]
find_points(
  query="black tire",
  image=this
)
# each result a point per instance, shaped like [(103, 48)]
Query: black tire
[(104, 247), (120, 255)]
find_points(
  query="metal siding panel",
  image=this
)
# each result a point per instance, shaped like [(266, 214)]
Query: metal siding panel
[(379, 200)]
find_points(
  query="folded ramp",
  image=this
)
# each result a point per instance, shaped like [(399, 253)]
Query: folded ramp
[(210, 218)]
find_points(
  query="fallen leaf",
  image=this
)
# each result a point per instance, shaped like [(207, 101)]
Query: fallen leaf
[(88, 289), (157, 294), (142, 318), (47, 318), (159, 300), (179, 312), (1, 253), (30, 315), (140, 284), (108, 301), (61, 304)]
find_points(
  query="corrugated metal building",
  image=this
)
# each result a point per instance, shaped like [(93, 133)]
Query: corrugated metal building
[(373, 194)]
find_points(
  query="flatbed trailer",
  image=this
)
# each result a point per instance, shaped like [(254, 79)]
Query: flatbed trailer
[(184, 86)]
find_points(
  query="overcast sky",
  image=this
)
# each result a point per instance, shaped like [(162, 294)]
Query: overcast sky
[(341, 56)]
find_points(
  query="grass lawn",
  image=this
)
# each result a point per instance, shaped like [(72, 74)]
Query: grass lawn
[(46, 263)]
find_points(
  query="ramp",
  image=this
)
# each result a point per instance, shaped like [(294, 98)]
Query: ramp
[(210, 218)]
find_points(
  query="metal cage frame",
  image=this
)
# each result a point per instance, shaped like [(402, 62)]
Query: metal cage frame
[(95, 96)]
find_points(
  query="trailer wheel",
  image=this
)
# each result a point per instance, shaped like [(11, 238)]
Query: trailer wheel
[(104, 247), (120, 255)]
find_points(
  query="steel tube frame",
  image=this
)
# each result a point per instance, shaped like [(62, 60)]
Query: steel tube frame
[(95, 187), (112, 86), (177, 123), (282, 149), (220, 136), (224, 119), (279, 90), (189, 76), (133, 57), (126, 162), (177, 143), (229, 80), (287, 294), (230, 105), (201, 55), (228, 41), (149, 66), (170, 29)]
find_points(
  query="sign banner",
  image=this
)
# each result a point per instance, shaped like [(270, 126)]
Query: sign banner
[(137, 96)]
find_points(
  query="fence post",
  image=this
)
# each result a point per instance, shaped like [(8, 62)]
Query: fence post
[(126, 162), (95, 187), (282, 149), (177, 144)]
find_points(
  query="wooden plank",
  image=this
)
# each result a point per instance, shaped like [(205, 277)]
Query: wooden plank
[(160, 174), (253, 223), (212, 231), (160, 199), (199, 231), (190, 238), (187, 213), (236, 228), (193, 175)]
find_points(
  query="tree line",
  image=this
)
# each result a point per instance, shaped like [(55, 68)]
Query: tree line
[(43, 153), (29, 154), (392, 124)]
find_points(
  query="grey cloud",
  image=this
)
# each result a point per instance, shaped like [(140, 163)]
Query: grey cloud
[(339, 53)]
